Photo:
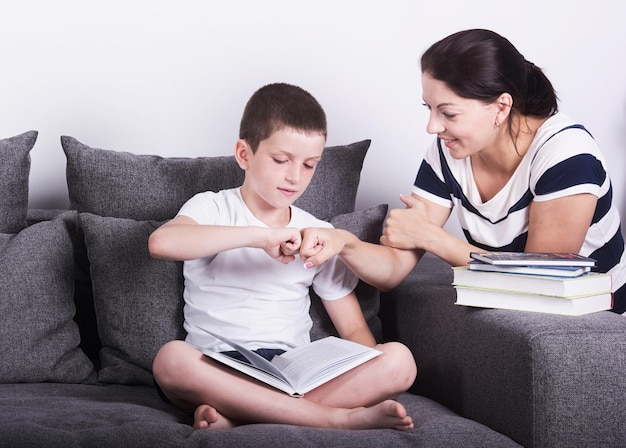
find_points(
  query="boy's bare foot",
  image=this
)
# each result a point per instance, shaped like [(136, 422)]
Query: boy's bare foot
[(387, 414), (206, 417)]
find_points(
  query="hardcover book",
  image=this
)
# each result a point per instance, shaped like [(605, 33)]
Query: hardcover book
[(533, 259), (578, 306), (555, 271), (583, 285)]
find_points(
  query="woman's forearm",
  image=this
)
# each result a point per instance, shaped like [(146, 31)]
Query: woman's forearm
[(380, 266), (448, 247)]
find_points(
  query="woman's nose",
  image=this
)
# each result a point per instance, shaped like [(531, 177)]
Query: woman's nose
[(434, 125)]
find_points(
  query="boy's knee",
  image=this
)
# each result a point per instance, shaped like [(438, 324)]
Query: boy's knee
[(401, 363), (168, 359)]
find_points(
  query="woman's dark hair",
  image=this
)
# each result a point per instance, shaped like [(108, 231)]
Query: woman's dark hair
[(480, 64), (277, 106)]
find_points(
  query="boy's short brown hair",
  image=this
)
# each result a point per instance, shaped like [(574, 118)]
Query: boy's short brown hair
[(277, 106)]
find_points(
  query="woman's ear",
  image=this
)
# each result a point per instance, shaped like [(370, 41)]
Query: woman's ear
[(242, 153), (504, 104)]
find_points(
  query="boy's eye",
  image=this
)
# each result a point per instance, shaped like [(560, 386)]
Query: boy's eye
[(280, 161), (309, 166)]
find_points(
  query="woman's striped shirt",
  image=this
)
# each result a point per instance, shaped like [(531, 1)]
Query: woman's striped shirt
[(563, 159)]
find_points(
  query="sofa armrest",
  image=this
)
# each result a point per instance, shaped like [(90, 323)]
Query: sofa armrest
[(543, 380), (546, 380)]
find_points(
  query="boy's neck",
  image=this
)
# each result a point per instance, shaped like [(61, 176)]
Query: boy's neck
[(267, 214)]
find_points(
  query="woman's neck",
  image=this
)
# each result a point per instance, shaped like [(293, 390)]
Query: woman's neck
[(493, 169)]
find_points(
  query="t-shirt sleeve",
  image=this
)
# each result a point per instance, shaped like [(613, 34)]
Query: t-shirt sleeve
[(430, 181), (334, 280), (569, 163), (202, 208)]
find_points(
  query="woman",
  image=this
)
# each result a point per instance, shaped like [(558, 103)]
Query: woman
[(522, 176)]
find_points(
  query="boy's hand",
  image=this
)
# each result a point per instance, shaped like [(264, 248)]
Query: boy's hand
[(283, 244)]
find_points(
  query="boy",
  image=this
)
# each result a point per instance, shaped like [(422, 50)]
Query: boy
[(238, 246)]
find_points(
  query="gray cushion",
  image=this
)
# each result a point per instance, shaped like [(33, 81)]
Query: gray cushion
[(38, 337), (367, 225), (137, 299), (73, 416), (14, 173), (149, 187)]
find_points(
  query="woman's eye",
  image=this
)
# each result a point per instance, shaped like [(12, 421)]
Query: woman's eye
[(279, 161)]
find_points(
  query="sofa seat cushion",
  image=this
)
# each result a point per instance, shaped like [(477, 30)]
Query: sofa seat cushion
[(67, 416)]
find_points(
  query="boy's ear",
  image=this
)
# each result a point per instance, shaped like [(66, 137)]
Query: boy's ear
[(242, 153)]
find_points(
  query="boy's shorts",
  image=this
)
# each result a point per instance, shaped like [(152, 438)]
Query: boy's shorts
[(267, 353)]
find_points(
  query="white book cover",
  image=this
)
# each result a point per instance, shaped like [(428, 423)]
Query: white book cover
[(587, 284)]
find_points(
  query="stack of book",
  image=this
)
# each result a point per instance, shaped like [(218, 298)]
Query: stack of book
[(554, 283)]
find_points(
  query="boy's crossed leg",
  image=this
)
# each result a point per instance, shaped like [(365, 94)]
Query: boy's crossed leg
[(223, 398)]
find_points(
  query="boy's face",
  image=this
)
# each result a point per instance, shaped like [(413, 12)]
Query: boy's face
[(281, 169)]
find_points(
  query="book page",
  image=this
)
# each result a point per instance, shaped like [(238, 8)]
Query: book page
[(322, 358), (254, 359)]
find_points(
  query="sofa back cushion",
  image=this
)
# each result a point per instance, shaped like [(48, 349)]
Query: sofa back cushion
[(149, 187), (138, 299), (38, 336), (14, 177)]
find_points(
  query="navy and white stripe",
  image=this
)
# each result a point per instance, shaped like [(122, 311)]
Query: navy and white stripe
[(562, 160)]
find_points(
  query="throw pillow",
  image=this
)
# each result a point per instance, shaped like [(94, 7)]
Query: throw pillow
[(149, 187), (138, 300), (38, 336), (368, 226), (14, 177)]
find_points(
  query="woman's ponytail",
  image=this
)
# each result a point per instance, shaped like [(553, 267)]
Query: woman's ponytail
[(541, 100)]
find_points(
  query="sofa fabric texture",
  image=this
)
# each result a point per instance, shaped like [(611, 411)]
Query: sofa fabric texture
[(14, 176), (38, 336), (543, 380), (84, 308)]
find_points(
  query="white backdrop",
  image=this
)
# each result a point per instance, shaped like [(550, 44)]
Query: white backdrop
[(172, 78)]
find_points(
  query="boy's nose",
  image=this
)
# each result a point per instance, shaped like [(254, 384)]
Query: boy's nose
[(293, 175)]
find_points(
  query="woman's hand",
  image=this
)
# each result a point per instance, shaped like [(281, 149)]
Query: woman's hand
[(407, 228), (320, 244)]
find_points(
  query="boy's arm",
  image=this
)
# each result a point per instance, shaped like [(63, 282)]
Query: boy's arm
[(183, 238), (347, 316)]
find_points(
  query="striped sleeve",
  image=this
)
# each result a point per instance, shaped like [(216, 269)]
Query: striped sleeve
[(430, 182), (569, 163)]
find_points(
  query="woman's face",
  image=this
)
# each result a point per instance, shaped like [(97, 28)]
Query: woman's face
[(465, 126)]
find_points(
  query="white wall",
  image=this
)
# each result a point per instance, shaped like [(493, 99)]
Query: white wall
[(172, 78)]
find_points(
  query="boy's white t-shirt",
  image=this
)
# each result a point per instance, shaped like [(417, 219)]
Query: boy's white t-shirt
[(246, 295)]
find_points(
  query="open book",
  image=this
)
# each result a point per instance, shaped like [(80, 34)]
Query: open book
[(301, 369)]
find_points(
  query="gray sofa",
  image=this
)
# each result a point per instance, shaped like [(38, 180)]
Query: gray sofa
[(83, 309)]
